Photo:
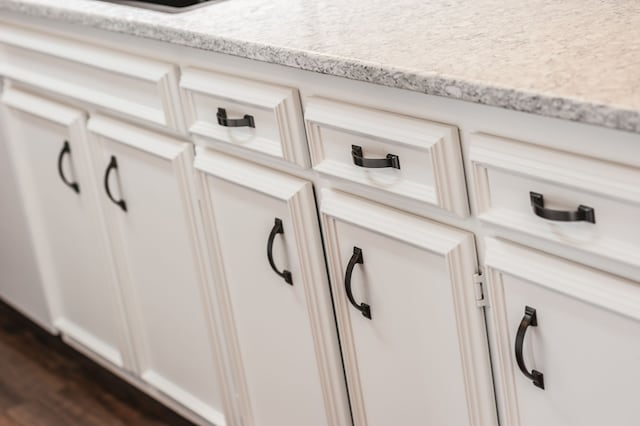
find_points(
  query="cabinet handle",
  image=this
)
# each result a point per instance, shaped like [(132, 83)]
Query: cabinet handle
[(277, 229), (66, 150), (391, 160), (355, 258), (584, 213), (113, 165), (529, 319), (246, 121)]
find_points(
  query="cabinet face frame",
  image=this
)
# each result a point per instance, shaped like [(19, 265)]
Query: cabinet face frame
[(74, 121), (299, 197), (458, 252), (551, 273)]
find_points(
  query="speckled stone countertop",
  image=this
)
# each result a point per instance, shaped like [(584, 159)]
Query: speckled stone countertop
[(574, 59)]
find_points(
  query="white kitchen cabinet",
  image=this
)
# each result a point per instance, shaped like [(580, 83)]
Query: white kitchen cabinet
[(410, 321), (146, 180), (273, 287), (579, 354), (55, 178), (21, 284)]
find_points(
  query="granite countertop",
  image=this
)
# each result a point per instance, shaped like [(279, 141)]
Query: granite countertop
[(575, 59)]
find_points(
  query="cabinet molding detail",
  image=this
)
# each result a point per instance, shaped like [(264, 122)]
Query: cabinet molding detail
[(128, 84), (456, 248), (432, 170), (554, 277), (278, 129), (504, 172), (298, 198)]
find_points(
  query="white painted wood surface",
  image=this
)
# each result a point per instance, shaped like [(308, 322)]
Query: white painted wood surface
[(505, 171), (585, 343), (282, 336), (116, 81), (279, 130), (429, 153), (71, 248), (158, 262), (423, 357)]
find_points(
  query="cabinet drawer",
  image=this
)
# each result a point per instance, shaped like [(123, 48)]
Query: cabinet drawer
[(600, 199), (583, 344), (262, 117), (385, 152), (137, 87)]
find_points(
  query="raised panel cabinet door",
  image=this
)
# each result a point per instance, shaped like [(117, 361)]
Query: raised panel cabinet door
[(55, 178), (274, 291), (412, 331), (147, 193), (566, 339)]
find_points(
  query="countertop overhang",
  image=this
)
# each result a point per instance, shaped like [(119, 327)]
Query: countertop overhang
[(576, 60)]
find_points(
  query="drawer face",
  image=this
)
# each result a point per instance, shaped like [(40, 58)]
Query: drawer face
[(416, 159), (584, 341), (506, 172), (261, 117), (122, 83)]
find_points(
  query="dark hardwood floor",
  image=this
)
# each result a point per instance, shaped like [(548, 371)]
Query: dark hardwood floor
[(44, 382)]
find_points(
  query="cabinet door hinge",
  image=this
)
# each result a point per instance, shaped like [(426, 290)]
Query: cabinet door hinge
[(478, 287)]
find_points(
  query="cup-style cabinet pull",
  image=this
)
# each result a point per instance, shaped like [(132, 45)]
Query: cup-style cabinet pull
[(223, 120), (529, 320), (113, 165), (583, 213), (276, 230), (391, 160), (66, 150), (356, 258)]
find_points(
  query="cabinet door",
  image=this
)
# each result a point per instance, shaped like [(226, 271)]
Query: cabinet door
[(575, 332), (413, 335), (275, 294), (55, 178), (147, 186)]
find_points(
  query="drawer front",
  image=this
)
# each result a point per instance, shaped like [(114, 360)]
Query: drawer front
[(261, 117), (390, 153), (583, 344), (413, 336), (588, 204), (122, 83)]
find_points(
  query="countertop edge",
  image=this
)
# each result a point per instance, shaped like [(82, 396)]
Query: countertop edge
[(577, 110)]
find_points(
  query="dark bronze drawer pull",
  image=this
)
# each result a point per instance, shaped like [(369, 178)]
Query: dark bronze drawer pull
[(113, 165), (391, 160), (584, 213), (529, 320), (66, 150), (277, 229), (246, 121), (355, 259)]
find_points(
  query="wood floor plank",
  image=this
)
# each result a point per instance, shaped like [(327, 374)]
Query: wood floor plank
[(44, 382)]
